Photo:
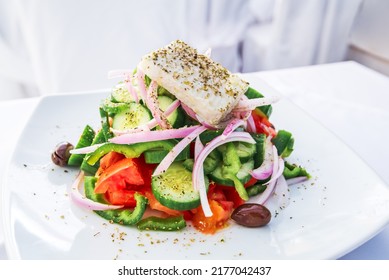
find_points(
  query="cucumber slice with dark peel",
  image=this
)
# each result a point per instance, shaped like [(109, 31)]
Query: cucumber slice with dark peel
[(113, 108), (245, 151), (85, 140), (156, 156), (243, 174), (176, 119), (209, 165), (120, 94), (174, 188), (133, 116), (209, 135)]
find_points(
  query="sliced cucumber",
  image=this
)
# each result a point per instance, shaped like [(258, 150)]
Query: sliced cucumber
[(174, 188), (243, 174), (120, 94), (245, 151), (176, 119), (210, 164), (112, 108), (156, 156), (209, 135), (133, 116), (85, 140)]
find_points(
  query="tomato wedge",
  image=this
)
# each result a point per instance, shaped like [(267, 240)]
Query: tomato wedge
[(108, 160), (221, 213), (121, 197), (125, 170), (262, 123), (156, 205)]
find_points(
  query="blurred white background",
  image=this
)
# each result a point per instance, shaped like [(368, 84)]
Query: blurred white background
[(49, 46)]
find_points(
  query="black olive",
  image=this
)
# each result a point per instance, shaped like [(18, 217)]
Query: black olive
[(251, 215), (61, 154)]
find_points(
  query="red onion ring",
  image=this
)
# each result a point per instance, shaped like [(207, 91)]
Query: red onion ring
[(169, 158), (85, 202), (119, 73), (152, 104), (198, 172), (232, 125), (189, 111), (251, 124), (281, 166), (130, 87), (140, 76), (281, 191), (246, 104), (154, 135), (266, 169), (198, 147), (86, 150), (263, 198)]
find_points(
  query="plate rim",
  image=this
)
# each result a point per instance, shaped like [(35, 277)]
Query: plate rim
[(11, 244)]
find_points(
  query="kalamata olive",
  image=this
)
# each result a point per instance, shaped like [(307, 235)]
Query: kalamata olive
[(251, 215), (61, 154)]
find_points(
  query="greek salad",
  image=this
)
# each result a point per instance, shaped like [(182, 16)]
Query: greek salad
[(182, 140)]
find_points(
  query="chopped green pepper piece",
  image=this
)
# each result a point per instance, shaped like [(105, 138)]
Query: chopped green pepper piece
[(209, 135), (130, 151), (260, 141), (209, 165), (85, 140), (88, 168), (162, 224), (255, 189), (105, 124), (231, 166), (293, 171), (252, 93), (119, 216), (284, 143), (111, 107)]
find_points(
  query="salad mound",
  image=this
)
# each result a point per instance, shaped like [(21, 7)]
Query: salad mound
[(182, 140)]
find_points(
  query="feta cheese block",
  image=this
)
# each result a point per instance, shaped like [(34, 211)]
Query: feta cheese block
[(202, 84)]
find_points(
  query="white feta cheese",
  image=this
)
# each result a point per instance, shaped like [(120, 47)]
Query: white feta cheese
[(208, 88)]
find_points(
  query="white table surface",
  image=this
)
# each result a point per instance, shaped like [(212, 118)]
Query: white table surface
[(348, 98)]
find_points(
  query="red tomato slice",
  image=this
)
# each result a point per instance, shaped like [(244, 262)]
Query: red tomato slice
[(121, 197), (125, 169), (215, 192), (251, 182), (156, 205), (221, 213), (108, 160), (262, 123)]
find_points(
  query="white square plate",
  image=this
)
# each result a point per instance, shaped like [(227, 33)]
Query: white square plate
[(341, 207)]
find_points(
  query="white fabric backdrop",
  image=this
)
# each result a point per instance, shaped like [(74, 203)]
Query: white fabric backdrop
[(51, 46)]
